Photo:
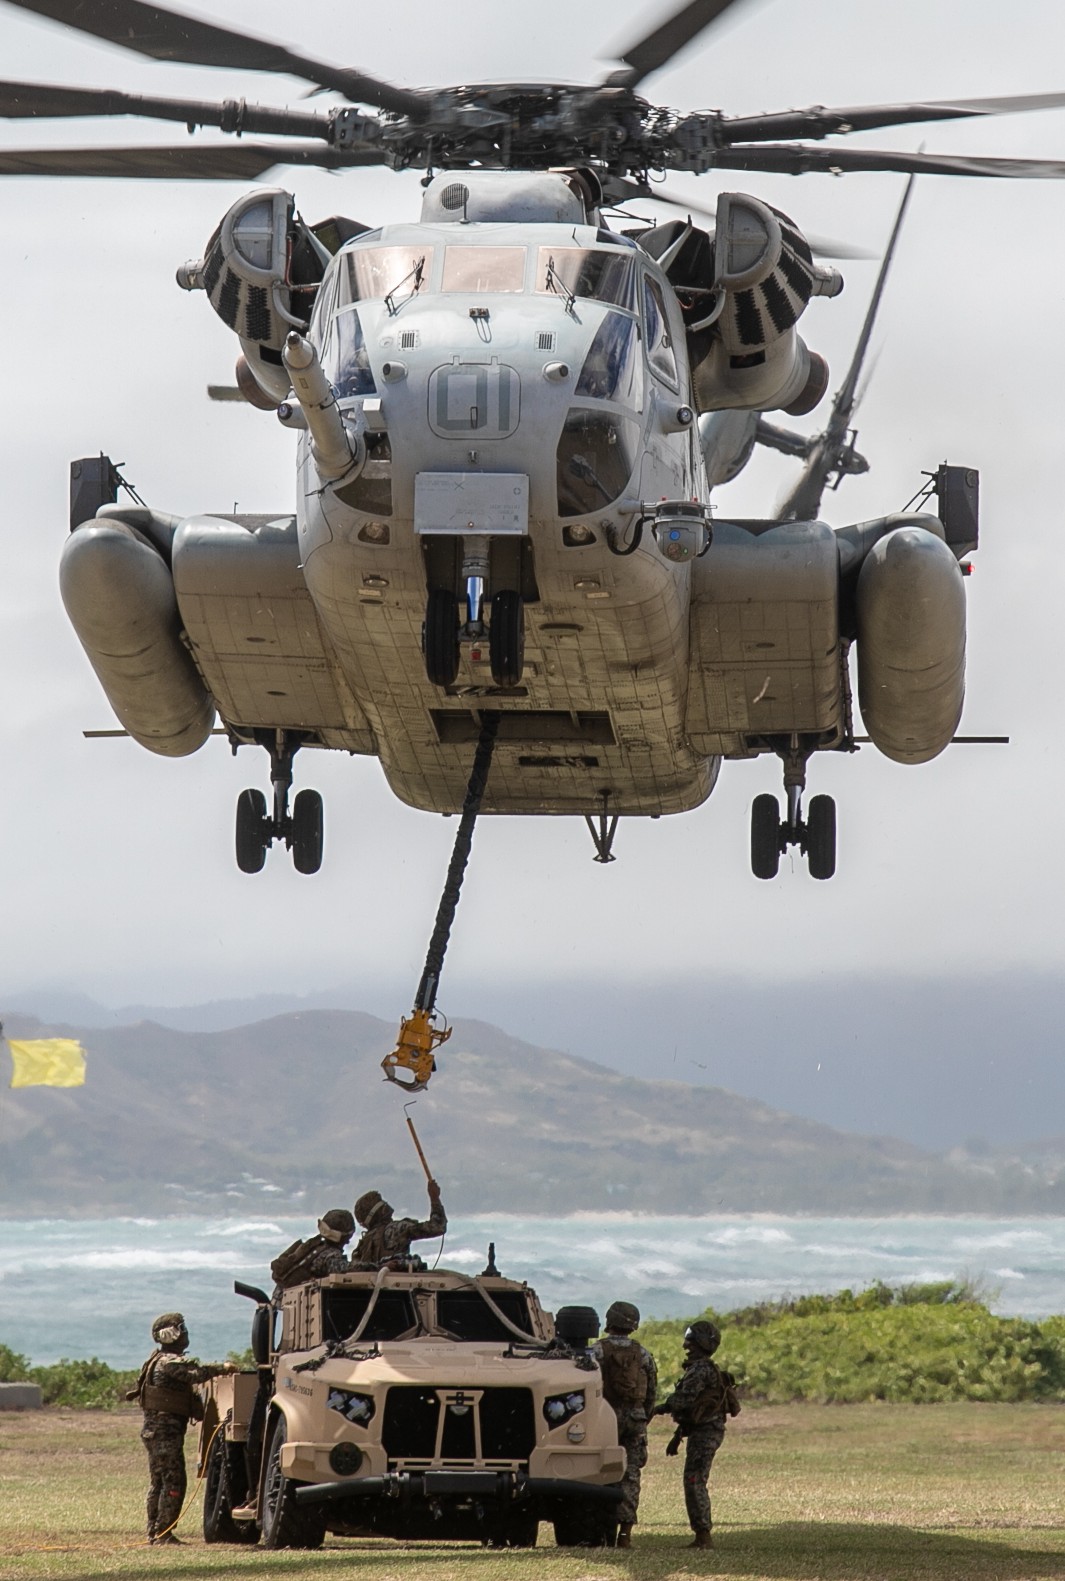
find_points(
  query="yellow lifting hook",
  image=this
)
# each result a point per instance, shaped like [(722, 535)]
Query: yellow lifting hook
[(420, 1034)]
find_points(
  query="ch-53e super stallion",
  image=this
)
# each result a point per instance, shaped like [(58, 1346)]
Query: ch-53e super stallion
[(510, 414)]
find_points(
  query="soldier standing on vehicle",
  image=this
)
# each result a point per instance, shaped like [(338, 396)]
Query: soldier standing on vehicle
[(630, 1383), (387, 1238), (317, 1256), (166, 1396), (704, 1395)]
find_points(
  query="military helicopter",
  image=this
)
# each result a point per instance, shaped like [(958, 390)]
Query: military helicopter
[(509, 414)]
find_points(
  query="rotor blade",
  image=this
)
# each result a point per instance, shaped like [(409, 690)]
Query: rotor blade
[(169, 35), (819, 122), (803, 501), (667, 40), (797, 159), (189, 162), (42, 100)]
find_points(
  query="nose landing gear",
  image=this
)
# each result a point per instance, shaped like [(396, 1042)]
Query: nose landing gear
[(815, 837), (302, 829), (442, 634)]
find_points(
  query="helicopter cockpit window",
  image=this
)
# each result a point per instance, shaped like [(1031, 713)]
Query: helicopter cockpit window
[(344, 356), (595, 459), (660, 352), (483, 269), (395, 273), (613, 368), (573, 272)]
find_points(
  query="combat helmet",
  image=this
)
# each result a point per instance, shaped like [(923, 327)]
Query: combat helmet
[(623, 1315), (169, 1329), (369, 1207), (704, 1335), (338, 1226)]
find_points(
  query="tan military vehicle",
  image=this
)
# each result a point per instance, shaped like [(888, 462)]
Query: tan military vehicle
[(412, 1405)]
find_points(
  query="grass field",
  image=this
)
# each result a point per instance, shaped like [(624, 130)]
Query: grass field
[(881, 1492)]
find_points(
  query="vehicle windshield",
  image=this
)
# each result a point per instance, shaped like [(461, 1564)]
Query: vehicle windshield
[(483, 269), (394, 1314), (466, 1315), (395, 273), (586, 272)]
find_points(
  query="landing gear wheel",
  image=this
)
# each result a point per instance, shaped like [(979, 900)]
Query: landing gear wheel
[(441, 637), (253, 831), (307, 832), (765, 837), (284, 1523), (506, 638), (821, 837), (224, 1485)]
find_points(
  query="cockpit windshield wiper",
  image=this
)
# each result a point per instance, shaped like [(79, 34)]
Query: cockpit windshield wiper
[(554, 282), (414, 274)]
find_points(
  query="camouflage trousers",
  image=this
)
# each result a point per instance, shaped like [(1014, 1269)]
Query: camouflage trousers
[(632, 1436), (163, 1436), (700, 1447)]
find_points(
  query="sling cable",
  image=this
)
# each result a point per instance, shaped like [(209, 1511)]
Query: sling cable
[(422, 1032)]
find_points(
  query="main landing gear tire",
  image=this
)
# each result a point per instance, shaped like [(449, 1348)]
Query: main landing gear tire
[(253, 834), (441, 637), (765, 836), (307, 832), (506, 638), (821, 837), (224, 1485), (284, 1523)]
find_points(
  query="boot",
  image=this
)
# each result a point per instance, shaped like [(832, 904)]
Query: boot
[(624, 1535), (167, 1537), (702, 1539)]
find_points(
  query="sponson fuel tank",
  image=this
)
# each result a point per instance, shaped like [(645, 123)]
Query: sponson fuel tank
[(119, 595), (911, 643)]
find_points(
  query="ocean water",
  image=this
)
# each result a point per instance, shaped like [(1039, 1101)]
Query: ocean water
[(82, 1288)]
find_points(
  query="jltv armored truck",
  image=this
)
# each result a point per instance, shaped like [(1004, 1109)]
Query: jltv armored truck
[(412, 1405)]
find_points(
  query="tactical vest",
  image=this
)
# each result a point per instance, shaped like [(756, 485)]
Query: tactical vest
[(715, 1399), (179, 1399), (294, 1264), (624, 1384)]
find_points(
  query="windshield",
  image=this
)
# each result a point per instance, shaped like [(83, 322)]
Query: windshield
[(483, 269), (343, 1310), (581, 272), (466, 1315), (394, 273)]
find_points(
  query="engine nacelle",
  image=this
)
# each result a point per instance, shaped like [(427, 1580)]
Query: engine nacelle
[(261, 271), (120, 597), (911, 644)]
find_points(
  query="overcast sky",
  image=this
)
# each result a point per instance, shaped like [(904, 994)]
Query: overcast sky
[(118, 873)]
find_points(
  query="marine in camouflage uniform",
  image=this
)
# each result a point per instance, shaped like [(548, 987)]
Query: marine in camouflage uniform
[(165, 1392), (698, 1405), (317, 1256), (387, 1238), (630, 1383)]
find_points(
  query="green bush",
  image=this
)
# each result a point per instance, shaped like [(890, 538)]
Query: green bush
[(917, 1343)]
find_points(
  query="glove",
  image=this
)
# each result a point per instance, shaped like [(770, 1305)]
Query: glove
[(434, 1191), (673, 1447)]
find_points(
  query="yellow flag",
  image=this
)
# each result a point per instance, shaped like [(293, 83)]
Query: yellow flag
[(47, 1062)]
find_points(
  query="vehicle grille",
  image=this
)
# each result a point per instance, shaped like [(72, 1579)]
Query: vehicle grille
[(456, 1424)]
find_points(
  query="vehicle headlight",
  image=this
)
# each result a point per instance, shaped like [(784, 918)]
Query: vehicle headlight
[(559, 1408), (345, 1459), (357, 1408)]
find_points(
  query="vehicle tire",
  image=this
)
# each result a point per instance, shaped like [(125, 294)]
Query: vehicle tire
[(307, 832), (576, 1323), (821, 837), (223, 1487), (586, 1526), (506, 638), (284, 1524), (519, 1532), (441, 638), (252, 831), (765, 837)]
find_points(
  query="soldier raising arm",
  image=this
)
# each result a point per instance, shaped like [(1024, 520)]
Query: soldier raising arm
[(387, 1237)]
